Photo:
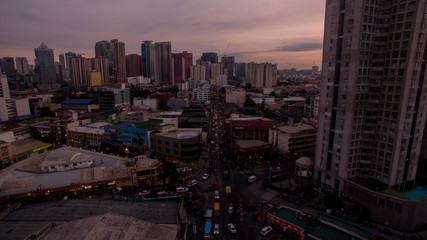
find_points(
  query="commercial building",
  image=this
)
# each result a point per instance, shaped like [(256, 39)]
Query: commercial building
[(210, 56), (180, 144), (65, 161), (80, 104), (235, 95), (26, 148), (147, 171), (138, 134), (250, 129), (181, 66), (5, 154), (251, 152), (120, 63), (147, 59), (114, 133), (45, 65), (297, 139), (133, 65), (22, 65), (7, 65), (86, 136), (163, 64), (202, 93), (110, 98)]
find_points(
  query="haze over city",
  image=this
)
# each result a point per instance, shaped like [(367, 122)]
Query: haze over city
[(288, 33)]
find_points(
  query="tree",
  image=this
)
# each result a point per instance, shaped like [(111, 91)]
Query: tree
[(249, 102), (163, 104)]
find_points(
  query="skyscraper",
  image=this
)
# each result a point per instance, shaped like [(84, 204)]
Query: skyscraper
[(45, 66), (209, 56), (22, 65), (163, 64), (181, 66), (147, 59), (100, 64), (373, 94), (80, 67), (107, 50), (120, 62), (133, 65), (8, 66)]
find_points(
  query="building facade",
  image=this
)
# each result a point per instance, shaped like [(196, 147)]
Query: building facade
[(373, 93), (181, 66), (45, 66), (133, 65), (147, 59), (163, 64), (296, 139), (184, 145)]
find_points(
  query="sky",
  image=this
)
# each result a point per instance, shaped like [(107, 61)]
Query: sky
[(288, 33)]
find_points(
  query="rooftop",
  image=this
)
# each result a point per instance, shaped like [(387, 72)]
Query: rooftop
[(149, 125), (23, 177), (90, 130), (297, 128), (80, 101), (416, 193), (88, 216), (251, 143), (26, 145), (344, 226)]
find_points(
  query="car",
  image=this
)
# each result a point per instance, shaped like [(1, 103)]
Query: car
[(230, 209), (265, 230), (145, 192), (283, 195), (205, 176), (192, 183), (216, 229), (181, 189), (231, 228), (216, 195), (186, 169), (252, 178)]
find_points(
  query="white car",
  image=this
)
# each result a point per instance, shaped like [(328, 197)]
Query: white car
[(181, 189), (216, 195), (232, 228), (186, 169), (205, 176), (230, 209), (192, 183), (145, 192), (265, 230), (252, 178), (216, 229)]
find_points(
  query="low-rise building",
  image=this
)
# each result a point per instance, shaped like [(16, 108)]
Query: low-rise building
[(295, 139), (181, 144), (250, 152), (26, 148), (235, 95), (147, 170), (65, 160), (87, 136), (114, 133), (5, 155)]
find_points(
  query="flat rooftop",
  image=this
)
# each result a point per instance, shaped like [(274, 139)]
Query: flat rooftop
[(26, 145), (24, 221), (251, 143), (416, 193)]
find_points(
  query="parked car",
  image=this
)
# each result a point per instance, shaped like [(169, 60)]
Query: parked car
[(265, 230), (181, 189), (145, 192), (232, 228), (192, 183)]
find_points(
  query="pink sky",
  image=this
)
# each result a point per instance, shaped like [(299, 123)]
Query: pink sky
[(286, 32)]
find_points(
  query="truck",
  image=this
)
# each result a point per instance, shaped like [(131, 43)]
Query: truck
[(216, 209), (208, 226)]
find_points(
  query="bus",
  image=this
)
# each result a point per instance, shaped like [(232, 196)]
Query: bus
[(208, 226), (228, 191)]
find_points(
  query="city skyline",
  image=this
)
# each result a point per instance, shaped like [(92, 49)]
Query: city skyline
[(288, 33)]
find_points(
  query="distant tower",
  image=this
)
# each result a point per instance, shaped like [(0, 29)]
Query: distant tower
[(80, 67), (100, 64), (45, 66), (147, 59), (22, 65), (209, 56), (163, 63), (181, 66), (107, 50), (133, 65), (8, 66), (120, 62)]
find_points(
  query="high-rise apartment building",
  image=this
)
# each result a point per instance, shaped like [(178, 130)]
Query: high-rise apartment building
[(147, 59), (163, 64), (197, 74), (181, 66), (209, 56), (107, 50), (373, 94), (120, 58), (45, 66), (100, 64), (80, 67), (22, 65), (133, 65), (8, 66), (261, 75)]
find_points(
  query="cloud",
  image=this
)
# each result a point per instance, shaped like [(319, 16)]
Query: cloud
[(299, 47)]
